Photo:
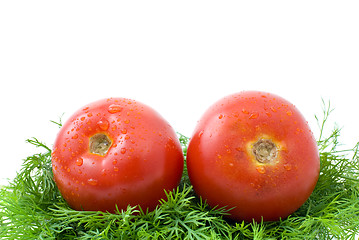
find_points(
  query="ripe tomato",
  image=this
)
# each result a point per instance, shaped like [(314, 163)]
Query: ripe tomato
[(253, 151), (116, 152)]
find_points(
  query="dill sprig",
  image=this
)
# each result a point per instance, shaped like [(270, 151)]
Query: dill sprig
[(31, 206)]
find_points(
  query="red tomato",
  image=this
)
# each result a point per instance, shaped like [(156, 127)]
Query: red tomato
[(253, 151), (116, 152)]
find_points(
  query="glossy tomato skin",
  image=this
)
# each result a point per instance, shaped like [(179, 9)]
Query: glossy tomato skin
[(224, 170), (144, 158)]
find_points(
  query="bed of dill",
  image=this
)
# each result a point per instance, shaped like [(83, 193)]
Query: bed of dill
[(31, 206)]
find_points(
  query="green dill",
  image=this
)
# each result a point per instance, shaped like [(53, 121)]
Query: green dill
[(31, 206)]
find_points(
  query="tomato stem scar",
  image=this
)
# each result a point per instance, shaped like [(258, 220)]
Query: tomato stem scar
[(99, 144), (265, 151)]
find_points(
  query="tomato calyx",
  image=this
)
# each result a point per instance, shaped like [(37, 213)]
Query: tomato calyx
[(99, 144), (265, 151)]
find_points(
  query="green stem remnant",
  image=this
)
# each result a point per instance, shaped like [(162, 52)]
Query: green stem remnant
[(31, 207)]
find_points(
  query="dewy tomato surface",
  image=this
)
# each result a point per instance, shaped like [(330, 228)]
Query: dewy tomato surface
[(116, 151), (253, 152)]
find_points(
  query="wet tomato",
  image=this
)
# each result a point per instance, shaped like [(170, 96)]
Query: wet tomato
[(116, 152), (253, 152)]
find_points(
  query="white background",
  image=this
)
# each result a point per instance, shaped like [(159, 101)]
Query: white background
[(178, 57)]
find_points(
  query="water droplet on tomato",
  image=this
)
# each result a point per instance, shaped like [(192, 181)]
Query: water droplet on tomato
[(92, 182), (124, 131), (114, 108), (220, 116), (200, 133), (103, 125), (253, 115), (123, 150), (239, 149), (289, 113), (116, 169), (114, 162), (245, 111), (261, 169), (298, 130), (287, 167), (79, 161), (75, 136)]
